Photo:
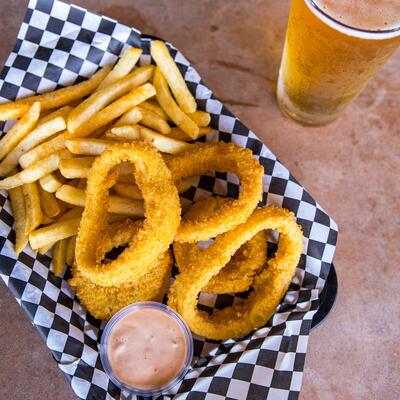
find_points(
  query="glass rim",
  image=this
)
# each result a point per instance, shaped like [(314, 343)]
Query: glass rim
[(393, 32), (106, 334)]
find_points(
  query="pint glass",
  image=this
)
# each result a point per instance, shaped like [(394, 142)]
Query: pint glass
[(326, 62)]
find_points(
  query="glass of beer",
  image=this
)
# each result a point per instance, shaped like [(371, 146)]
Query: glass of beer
[(332, 49)]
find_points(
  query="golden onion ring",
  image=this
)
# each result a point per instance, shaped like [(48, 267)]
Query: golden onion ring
[(222, 157), (268, 288), (152, 239)]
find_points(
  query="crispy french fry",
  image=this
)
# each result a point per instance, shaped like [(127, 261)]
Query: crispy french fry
[(49, 234), (18, 210), (162, 143), (49, 204), (126, 133), (75, 212), (99, 99), (36, 171), (19, 130), (76, 167), (117, 205), (59, 256), (201, 118), (99, 132), (125, 65), (50, 183), (71, 250), (46, 220), (177, 133), (169, 105), (114, 110), (33, 211), (155, 107), (60, 112), (166, 63), (34, 138), (131, 191), (88, 147), (37, 153), (131, 117), (152, 120), (55, 99)]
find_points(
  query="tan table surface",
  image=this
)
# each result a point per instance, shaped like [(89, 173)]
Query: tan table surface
[(351, 167)]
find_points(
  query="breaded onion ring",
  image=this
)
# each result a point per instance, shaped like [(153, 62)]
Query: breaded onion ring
[(268, 289), (222, 157), (238, 275), (104, 301), (152, 239)]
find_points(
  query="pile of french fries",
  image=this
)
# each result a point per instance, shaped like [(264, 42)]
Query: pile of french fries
[(46, 156)]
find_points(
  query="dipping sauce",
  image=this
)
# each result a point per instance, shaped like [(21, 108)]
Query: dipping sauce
[(147, 348)]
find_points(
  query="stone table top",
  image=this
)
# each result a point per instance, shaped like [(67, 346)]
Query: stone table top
[(351, 167)]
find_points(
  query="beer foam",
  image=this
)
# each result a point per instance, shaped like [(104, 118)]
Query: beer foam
[(382, 16)]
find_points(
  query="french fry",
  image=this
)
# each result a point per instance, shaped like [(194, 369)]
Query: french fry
[(164, 144), (99, 132), (34, 138), (19, 130), (49, 234), (55, 99), (154, 121), (70, 250), (50, 183), (33, 211), (177, 133), (131, 117), (114, 110), (36, 171), (154, 106), (46, 220), (117, 205), (88, 147), (37, 153), (49, 204), (166, 63), (131, 191), (76, 167), (126, 133), (169, 105), (75, 212), (18, 210), (59, 256), (201, 118), (60, 112), (125, 65), (125, 172), (99, 99)]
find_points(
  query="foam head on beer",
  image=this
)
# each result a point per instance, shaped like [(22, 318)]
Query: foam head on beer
[(372, 15)]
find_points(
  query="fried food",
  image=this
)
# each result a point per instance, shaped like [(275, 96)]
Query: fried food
[(55, 99), (33, 211), (268, 288), (18, 210), (162, 215), (154, 121), (50, 183), (172, 109), (222, 157), (162, 143), (169, 69), (19, 130), (177, 133), (238, 275), (59, 256), (104, 301)]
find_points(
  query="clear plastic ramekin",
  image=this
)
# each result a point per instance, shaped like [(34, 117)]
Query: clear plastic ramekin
[(106, 334)]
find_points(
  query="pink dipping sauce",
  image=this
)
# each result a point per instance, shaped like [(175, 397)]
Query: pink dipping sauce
[(147, 349)]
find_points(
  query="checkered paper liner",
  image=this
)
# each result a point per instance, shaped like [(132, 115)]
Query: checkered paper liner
[(60, 44)]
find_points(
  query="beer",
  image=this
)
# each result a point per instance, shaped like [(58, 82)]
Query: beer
[(332, 49)]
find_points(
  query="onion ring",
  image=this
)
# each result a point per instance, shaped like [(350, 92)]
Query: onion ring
[(238, 275), (104, 301), (269, 286), (152, 239), (223, 157)]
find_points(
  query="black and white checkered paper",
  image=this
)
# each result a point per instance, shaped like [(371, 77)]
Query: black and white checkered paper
[(60, 44)]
